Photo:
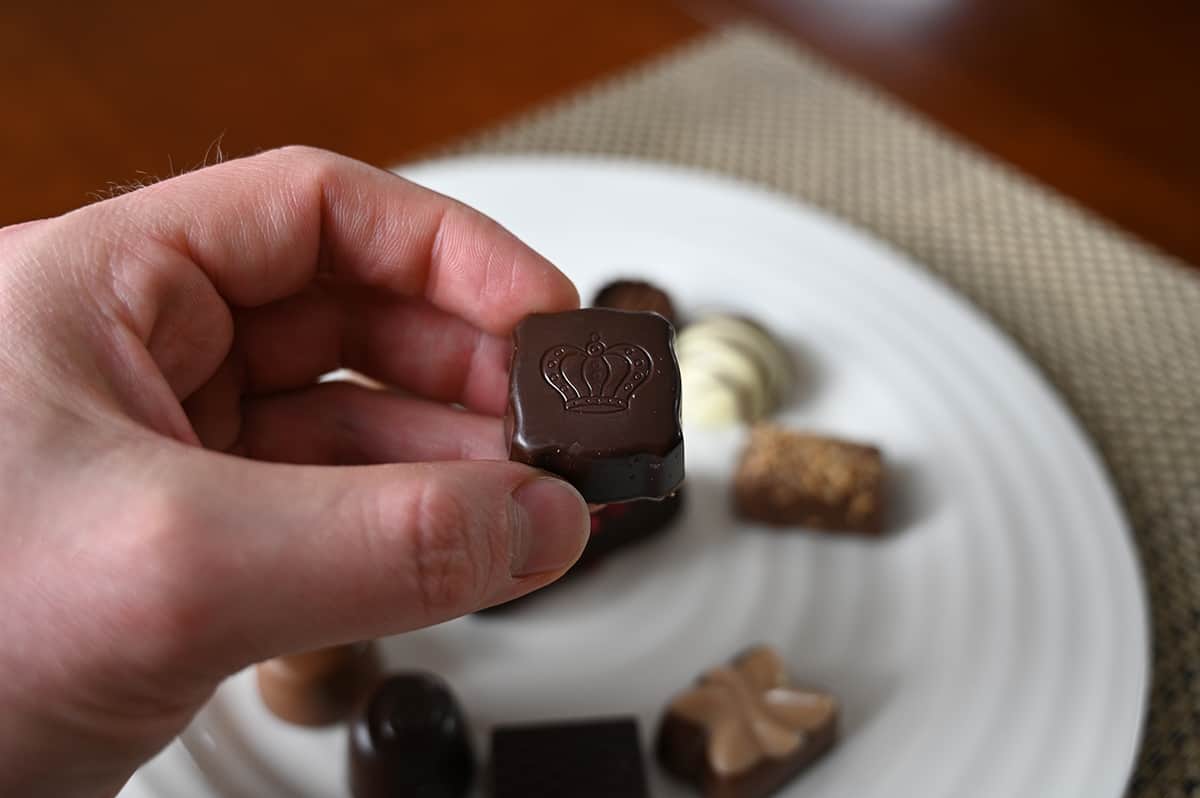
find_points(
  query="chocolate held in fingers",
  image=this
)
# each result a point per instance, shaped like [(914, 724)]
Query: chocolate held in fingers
[(615, 527), (594, 398)]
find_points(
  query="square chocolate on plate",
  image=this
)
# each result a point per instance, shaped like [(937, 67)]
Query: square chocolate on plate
[(594, 398), (598, 758)]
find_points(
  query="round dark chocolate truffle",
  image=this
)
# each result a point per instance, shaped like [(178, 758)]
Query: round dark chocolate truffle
[(410, 739), (635, 295)]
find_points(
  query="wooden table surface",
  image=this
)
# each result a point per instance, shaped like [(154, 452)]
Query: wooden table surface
[(1098, 98)]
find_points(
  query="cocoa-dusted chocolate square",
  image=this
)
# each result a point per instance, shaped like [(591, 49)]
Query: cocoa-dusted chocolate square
[(788, 478), (594, 398)]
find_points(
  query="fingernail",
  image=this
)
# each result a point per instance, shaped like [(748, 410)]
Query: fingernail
[(551, 526)]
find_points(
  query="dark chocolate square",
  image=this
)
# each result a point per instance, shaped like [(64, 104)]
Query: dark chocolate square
[(599, 758), (594, 398)]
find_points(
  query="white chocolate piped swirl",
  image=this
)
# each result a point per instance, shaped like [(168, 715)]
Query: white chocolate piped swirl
[(731, 370), (751, 712)]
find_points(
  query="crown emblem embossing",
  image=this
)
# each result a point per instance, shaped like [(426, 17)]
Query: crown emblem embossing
[(597, 378)]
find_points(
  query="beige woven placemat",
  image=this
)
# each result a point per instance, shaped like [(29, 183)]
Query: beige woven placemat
[(1114, 324)]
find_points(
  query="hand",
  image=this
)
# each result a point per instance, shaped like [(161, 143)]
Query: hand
[(179, 498)]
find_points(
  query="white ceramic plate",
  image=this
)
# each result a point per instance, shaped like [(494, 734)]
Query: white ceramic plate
[(994, 645)]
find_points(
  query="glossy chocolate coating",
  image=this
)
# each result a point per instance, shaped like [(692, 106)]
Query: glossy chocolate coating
[(594, 398), (636, 295), (576, 759), (410, 740), (320, 687)]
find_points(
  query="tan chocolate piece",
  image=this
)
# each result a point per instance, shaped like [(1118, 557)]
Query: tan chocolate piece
[(788, 478), (743, 730), (321, 687)]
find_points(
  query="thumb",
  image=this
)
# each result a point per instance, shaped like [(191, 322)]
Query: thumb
[(282, 558)]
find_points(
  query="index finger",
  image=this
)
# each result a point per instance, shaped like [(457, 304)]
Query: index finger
[(261, 228)]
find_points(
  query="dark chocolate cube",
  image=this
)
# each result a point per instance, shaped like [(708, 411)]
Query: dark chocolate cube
[(577, 759), (594, 398)]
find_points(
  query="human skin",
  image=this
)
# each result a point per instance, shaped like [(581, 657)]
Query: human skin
[(179, 498)]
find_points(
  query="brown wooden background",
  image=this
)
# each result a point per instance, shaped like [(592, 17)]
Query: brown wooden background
[(1100, 99)]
